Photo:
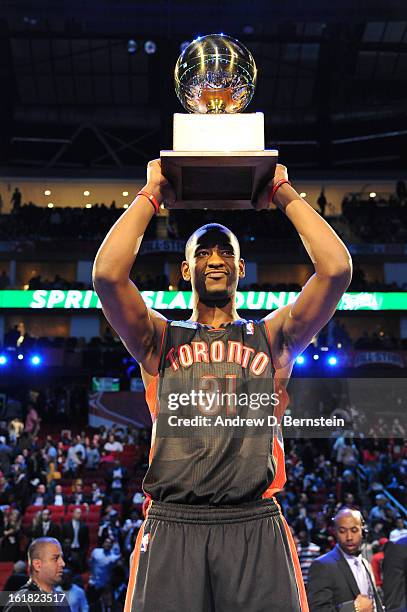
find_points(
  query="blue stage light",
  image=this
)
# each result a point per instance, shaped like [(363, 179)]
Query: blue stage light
[(20, 356), (3, 360), (35, 360), (300, 360), (316, 356), (132, 46), (332, 361)]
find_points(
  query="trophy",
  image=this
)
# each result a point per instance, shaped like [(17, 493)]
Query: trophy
[(218, 159)]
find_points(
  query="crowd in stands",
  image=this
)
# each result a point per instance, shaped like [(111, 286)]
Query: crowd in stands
[(379, 219), (324, 476), (32, 222), (84, 489)]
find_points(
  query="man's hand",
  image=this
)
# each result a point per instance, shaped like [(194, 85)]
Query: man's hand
[(157, 184), (363, 603), (263, 201)]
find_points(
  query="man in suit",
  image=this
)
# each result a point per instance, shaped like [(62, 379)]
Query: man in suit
[(395, 575), (342, 579), (57, 498), (46, 527), (78, 534)]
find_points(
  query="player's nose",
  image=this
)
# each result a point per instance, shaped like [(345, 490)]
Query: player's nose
[(215, 260)]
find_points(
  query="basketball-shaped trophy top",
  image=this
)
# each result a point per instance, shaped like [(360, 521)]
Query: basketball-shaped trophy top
[(215, 74)]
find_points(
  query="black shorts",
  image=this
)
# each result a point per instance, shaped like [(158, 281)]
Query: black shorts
[(215, 559)]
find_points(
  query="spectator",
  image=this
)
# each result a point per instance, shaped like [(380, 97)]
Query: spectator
[(32, 423), (399, 531), (6, 452), (307, 552), (78, 533), (40, 497), (16, 200), (75, 595), (58, 498), (377, 561), (96, 495), (342, 579), (46, 527), (322, 202), (46, 566), (102, 561), (78, 496), (378, 532), (92, 457), (117, 478), (18, 578), (118, 585), (347, 454), (378, 512), (113, 445), (110, 528), (10, 539), (130, 530)]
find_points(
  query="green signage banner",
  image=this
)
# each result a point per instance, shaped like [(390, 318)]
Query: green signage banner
[(168, 300)]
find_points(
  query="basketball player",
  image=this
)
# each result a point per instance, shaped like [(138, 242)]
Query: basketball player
[(214, 539)]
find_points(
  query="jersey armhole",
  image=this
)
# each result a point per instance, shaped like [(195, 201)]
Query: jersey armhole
[(161, 356), (268, 339)]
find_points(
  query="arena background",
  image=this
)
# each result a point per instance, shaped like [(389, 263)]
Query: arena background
[(87, 99)]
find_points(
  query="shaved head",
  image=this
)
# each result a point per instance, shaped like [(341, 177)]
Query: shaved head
[(46, 563), (349, 530), (348, 512), (38, 547), (209, 235)]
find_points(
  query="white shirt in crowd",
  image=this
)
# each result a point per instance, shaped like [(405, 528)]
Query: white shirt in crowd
[(395, 534), (116, 446), (75, 525), (58, 500)]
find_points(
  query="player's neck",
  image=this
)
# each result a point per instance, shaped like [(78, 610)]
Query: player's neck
[(213, 314)]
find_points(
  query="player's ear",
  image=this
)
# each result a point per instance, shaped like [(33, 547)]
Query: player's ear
[(185, 271), (242, 268)]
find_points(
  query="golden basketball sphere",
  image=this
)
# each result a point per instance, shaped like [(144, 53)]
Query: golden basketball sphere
[(215, 74)]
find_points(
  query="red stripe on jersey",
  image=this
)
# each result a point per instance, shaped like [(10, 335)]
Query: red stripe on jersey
[(133, 570), (280, 477), (297, 568)]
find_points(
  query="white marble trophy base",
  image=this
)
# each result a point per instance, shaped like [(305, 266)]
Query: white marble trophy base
[(218, 161)]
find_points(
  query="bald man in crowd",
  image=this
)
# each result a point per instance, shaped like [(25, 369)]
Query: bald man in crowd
[(342, 579), (46, 564)]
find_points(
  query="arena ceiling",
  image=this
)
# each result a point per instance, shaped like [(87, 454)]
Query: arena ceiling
[(332, 80)]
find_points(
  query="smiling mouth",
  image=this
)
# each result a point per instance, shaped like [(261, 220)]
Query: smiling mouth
[(216, 275)]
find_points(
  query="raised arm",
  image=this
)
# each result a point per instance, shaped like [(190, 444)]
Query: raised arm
[(316, 304), (139, 328)]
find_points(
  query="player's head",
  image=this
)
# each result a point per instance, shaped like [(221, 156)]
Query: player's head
[(213, 263), (46, 561), (349, 525)]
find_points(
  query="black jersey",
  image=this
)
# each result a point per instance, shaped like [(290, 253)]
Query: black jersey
[(216, 410)]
